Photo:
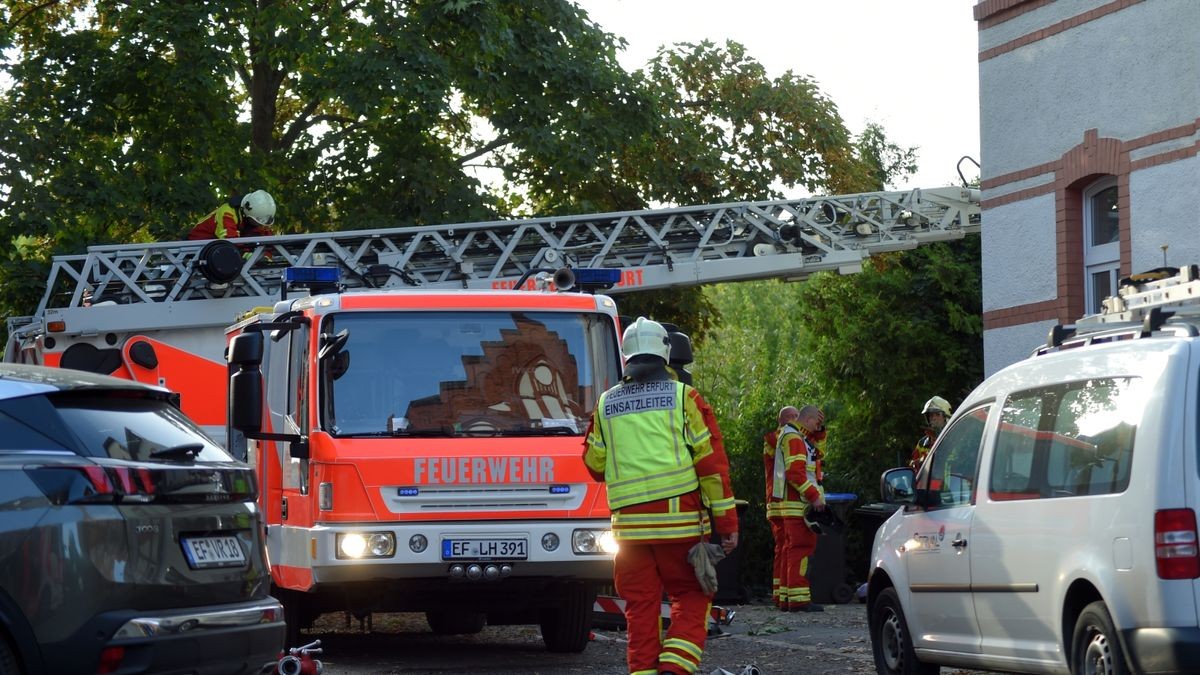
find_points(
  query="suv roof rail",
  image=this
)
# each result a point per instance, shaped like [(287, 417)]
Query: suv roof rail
[(1064, 337)]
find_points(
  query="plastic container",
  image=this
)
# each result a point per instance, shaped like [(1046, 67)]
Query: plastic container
[(827, 576), (729, 587)]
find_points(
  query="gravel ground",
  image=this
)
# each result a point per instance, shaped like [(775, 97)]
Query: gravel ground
[(834, 641)]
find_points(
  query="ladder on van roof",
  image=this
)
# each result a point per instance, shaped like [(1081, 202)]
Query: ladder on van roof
[(1143, 304)]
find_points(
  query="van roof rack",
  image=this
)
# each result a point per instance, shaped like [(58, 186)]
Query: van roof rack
[(1143, 303)]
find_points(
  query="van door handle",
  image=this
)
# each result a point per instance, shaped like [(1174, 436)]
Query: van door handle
[(959, 543)]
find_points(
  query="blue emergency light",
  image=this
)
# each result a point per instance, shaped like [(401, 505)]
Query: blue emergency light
[(315, 279), (597, 277), (409, 491), (560, 489), (305, 276)]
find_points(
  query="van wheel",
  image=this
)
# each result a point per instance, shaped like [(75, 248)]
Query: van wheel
[(1095, 648), (567, 628), (890, 640), (455, 623)]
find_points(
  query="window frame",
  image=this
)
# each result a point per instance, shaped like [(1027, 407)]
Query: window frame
[(1098, 258)]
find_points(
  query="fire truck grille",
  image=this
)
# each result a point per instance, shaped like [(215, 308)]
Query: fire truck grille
[(504, 497)]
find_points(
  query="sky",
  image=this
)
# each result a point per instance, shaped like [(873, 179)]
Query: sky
[(909, 65)]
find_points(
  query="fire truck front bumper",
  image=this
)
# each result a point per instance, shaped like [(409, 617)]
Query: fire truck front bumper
[(468, 551)]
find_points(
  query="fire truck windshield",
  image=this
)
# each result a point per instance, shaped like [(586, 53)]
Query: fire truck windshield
[(483, 373)]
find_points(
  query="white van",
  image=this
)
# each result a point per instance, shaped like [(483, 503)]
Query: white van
[(1052, 529)]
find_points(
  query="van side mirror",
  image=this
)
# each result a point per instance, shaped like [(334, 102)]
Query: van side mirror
[(898, 486)]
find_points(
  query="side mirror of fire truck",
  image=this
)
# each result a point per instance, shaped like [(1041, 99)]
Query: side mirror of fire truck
[(246, 383)]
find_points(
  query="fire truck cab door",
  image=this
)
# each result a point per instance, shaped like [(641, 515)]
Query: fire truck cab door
[(288, 395)]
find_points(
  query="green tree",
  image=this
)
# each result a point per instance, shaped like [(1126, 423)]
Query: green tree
[(728, 132), (127, 121), (869, 348)]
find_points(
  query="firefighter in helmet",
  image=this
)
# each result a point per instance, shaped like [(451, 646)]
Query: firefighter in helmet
[(936, 411), (656, 443), (795, 484), (248, 215)]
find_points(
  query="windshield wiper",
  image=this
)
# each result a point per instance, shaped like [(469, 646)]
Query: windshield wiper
[(538, 431), (182, 452), (428, 432)]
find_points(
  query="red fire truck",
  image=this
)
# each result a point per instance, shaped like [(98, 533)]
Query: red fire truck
[(421, 451)]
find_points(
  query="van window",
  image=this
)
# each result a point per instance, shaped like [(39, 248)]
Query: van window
[(951, 472), (1067, 440)]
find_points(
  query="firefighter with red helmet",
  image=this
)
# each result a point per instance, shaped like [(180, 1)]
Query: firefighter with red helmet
[(797, 484), (242, 216), (655, 442), (936, 411)]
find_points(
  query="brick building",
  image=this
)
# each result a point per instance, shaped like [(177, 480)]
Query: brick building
[(1089, 129)]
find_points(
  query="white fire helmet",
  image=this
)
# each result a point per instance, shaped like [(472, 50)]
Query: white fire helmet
[(646, 337), (259, 206), (939, 404)]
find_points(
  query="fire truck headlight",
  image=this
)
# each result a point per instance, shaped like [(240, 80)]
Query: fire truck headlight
[(356, 545), (351, 545), (418, 543), (381, 544), (593, 542), (550, 541)]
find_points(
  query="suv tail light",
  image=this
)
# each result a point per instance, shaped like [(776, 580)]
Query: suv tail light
[(94, 484), (1175, 544), (74, 484)]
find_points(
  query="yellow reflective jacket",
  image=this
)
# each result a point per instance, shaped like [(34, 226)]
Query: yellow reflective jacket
[(657, 447)]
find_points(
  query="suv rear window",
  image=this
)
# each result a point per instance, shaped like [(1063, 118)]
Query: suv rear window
[(128, 426), (1068, 440)]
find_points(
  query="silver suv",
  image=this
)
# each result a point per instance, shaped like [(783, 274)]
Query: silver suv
[(130, 541), (1052, 528)]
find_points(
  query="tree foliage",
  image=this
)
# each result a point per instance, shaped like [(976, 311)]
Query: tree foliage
[(126, 121), (728, 132), (868, 348)]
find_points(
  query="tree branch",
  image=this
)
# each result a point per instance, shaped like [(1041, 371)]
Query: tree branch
[(338, 135), (28, 12), (243, 75), (299, 124), (499, 142)]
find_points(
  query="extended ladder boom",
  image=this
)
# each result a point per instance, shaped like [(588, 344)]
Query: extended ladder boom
[(654, 249)]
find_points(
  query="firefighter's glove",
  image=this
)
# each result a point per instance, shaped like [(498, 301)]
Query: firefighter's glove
[(704, 557)]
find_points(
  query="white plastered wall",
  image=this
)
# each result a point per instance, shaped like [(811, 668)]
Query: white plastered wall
[(1165, 209), (1019, 254), (1005, 346), (1126, 74)]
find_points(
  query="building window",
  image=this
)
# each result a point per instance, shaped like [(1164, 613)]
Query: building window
[(1101, 242)]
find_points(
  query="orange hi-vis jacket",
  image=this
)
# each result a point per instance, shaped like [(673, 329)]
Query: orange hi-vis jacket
[(659, 450), (796, 482), (222, 223), (773, 503)]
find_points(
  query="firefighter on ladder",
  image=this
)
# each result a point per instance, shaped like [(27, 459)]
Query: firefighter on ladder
[(795, 484), (243, 216), (655, 442)]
